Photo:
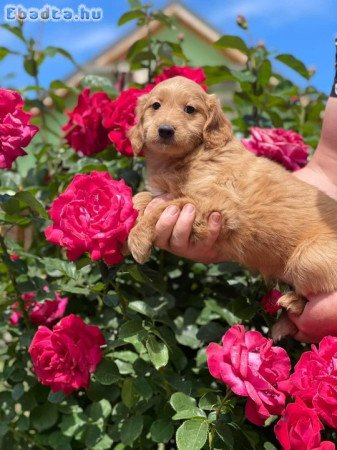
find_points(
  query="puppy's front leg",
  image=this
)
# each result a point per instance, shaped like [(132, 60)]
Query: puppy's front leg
[(142, 236), (141, 200)]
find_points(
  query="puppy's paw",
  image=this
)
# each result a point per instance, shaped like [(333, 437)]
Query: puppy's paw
[(139, 246), (283, 328), (292, 302)]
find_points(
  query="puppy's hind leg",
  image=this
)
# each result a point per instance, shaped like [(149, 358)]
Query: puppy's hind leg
[(292, 302), (283, 327)]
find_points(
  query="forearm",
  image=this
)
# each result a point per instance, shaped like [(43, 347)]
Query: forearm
[(325, 157)]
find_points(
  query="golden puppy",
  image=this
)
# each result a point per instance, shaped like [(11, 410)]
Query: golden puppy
[(271, 221)]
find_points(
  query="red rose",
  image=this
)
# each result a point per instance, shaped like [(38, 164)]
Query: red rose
[(64, 358), (269, 301), (120, 116), (95, 214), (195, 74), (15, 130), (283, 146), (300, 429), (40, 313), (315, 380), (252, 367), (85, 132)]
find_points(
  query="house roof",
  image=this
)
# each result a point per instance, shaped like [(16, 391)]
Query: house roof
[(117, 51)]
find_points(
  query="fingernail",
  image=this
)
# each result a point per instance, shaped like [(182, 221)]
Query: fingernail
[(171, 210), (189, 208), (216, 217)]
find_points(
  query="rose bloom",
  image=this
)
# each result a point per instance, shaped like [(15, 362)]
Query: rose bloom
[(95, 214), (64, 357), (15, 130), (195, 74), (269, 301), (315, 380), (84, 131), (120, 116), (252, 367), (283, 146), (40, 313), (300, 429)]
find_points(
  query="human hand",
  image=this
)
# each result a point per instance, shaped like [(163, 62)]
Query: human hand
[(319, 317), (174, 228)]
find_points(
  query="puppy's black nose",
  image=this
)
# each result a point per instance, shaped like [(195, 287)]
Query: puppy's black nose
[(166, 131)]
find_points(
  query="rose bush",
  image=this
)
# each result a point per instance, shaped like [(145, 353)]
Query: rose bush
[(127, 367)]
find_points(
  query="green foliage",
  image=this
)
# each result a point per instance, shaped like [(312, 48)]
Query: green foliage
[(152, 389)]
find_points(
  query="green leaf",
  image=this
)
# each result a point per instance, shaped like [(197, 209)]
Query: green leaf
[(34, 205), (107, 372), (17, 31), (158, 352), (162, 430), (142, 308), (229, 41), (131, 429), (131, 330), (189, 413), (180, 401), (129, 393), (265, 72), (294, 64), (52, 51), (44, 416), (208, 401), (99, 409), (30, 66), (104, 444), (192, 435), (97, 83), (137, 47), (131, 15), (4, 52), (57, 267), (56, 397)]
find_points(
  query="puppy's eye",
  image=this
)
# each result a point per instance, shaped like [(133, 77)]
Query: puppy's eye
[(156, 105), (189, 109)]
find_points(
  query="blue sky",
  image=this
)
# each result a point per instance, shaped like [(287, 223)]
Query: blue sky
[(306, 28)]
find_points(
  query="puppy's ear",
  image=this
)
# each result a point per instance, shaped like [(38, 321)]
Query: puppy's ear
[(218, 129), (136, 133)]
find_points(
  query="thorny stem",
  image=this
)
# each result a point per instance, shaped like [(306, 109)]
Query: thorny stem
[(6, 258)]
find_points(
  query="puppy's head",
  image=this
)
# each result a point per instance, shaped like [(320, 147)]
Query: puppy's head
[(176, 117)]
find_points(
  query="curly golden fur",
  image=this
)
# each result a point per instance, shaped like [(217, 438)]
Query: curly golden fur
[(272, 222)]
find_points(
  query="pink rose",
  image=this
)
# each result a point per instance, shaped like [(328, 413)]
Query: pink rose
[(40, 313), (64, 357), (120, 116), (15, 130), (269, 301), (300, 429), (315, 380), (84, 131), (252, 367), (195, 74), (94, 214), (283, 146)]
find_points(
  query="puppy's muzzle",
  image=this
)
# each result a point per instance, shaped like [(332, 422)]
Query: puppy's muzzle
[(166, 131)]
